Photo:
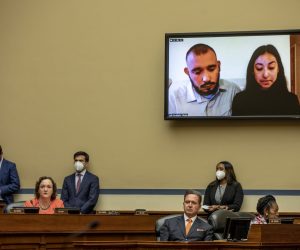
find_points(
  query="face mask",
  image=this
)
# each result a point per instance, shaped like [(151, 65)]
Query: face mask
[(78, 166), (220, 174)]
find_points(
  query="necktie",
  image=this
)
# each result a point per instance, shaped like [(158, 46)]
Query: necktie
[(188, 226), (78, 182)]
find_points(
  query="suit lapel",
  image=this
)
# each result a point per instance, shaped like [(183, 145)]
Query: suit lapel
[(226, 192), (73, 183), (195, 225), (181, 225), (3, 166), (213, 194), (83, 182)]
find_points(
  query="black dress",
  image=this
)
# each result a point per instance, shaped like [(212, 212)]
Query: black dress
[(261, 103)]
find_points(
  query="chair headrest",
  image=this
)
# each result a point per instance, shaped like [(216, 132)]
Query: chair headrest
[(218, 218)]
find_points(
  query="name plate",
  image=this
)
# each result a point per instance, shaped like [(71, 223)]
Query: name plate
[(109, 212), (140, 212), (17, 210)]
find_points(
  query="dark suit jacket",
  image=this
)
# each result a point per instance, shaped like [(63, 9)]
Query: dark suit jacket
[(233, 195), (174, 230), (87, 196), (9, 181)]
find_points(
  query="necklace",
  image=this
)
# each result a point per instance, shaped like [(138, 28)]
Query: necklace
[(44, 207)]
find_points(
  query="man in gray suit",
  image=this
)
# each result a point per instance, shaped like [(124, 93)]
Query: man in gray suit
[(187, 227)]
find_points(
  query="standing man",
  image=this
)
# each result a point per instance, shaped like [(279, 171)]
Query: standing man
[(204, 94), (187, 227), (9, 180), (81, 189)]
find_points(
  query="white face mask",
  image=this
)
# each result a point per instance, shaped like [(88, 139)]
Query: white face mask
[(78, 166), (220, 175)]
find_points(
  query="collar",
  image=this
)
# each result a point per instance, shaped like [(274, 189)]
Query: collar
[(261, 219), (82, 173), (1, 161), (186, 217), (193, 96)]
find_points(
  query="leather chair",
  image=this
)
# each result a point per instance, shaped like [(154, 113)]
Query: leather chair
[(218, 221), (161, 221), (12, 205), (246, 215)]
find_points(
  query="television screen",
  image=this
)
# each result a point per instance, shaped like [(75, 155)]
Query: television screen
[(232, 75), (236, 229)]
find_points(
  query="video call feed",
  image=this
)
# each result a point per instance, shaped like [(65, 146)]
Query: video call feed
[(232, 75)]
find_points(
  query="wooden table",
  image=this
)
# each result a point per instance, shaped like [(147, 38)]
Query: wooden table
[(276, 236), (60, 231)]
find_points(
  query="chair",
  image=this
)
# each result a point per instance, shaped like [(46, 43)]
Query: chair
[(12, 205), (161, 221), (246, 215), (218, 221)]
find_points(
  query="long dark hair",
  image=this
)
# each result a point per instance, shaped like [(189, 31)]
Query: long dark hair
[(229, 171), (280, 85)]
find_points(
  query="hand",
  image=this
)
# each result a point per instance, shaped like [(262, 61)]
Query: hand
[(213, 208), (224, 207)]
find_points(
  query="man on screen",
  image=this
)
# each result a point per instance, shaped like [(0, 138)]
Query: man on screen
[(187, 227), (204, 94)]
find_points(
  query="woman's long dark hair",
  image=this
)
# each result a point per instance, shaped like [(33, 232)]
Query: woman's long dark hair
[(280, 85), (230, 175)]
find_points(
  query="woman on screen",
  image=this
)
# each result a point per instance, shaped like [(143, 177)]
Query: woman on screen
[(266, 90), (45, 196), (225, 192), (266, 208)]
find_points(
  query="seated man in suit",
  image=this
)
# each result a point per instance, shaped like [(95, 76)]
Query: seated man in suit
[(9, 180), (81, 189), (187, 227)]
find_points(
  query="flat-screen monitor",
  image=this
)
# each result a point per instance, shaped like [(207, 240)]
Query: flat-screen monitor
[(236, 229), (232, 75)]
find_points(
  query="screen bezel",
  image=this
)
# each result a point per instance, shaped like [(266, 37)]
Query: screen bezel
[(220, 34)]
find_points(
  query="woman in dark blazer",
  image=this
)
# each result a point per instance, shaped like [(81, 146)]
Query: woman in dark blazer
[(225, 192)]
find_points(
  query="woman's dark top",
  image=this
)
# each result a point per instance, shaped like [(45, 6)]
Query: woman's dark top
[(265, 103), (233, 195)]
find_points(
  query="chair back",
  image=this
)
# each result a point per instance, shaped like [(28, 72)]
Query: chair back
[(246, 215), (218, 221), (160, 222), (12, 205)]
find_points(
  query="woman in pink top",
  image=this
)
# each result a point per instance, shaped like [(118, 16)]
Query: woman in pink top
[(267, 208), (45, 196)]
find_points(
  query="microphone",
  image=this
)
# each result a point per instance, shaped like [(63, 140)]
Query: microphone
[(74, 236), (93, 224)]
